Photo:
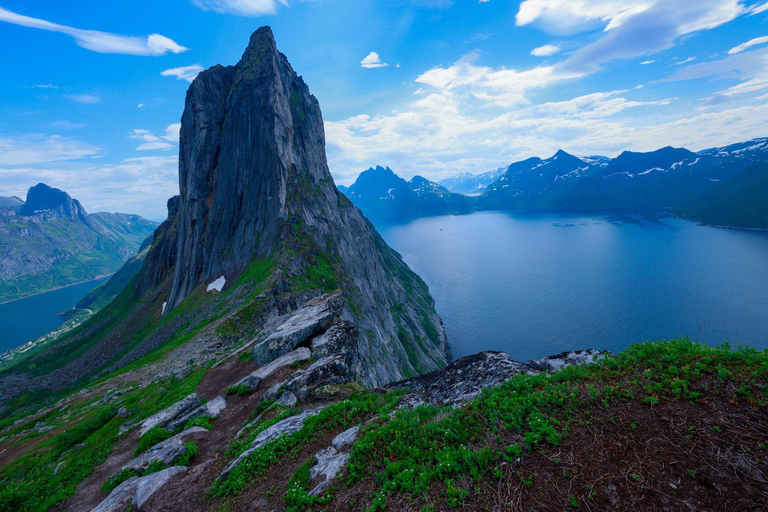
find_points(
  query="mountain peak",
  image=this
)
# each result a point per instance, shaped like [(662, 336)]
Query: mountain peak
[(42, 198)]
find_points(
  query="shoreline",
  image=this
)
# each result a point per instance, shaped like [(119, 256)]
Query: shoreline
[(704, 224), (57, 288)]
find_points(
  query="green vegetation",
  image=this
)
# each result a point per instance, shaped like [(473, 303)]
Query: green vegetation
[(151, 437), (239, 390), (740, 202), (415, 450), (50, 472), (335, 417)]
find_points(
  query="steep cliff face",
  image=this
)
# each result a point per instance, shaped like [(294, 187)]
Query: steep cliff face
[(255, 186)]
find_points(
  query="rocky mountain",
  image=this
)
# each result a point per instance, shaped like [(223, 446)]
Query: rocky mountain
[(259, 249), (741, 201), (49, 241), (471, 184), (383, 195), (537, 183)]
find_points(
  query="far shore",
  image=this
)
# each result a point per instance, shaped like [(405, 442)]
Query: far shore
[(57, 288)]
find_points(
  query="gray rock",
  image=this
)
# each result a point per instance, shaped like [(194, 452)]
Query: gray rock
[(340, 338), (465, 379), (272, 393), (178, 410), (560, 361), (166, 452), (346, 439), (254, 184), (210, 409), (287, 399), (122, 412), (149, 484), (282, 428), (328, 370), (299, 327), (253, 380), (136, 490), (330, 462)]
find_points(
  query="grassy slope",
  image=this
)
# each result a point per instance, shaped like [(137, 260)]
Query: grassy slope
[(78, 253), (657, 425), (739, 202)]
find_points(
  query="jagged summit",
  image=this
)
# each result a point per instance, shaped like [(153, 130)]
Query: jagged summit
[(42, 198), (255, 186)]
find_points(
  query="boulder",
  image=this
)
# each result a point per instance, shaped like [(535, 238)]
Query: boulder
[(287, 399), (281, 428), (210, 409), (166, 452), (178, 410), (137, 490), (300, 326), (330, 462), (253, 380), (340, 338), (560, 361), (328, 370), (346, 439)]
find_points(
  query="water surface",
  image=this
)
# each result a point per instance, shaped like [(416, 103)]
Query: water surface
[(537, 284), (26, 319)]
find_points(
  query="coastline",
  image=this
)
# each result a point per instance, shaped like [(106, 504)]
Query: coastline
[(58, 288), (704, 224)]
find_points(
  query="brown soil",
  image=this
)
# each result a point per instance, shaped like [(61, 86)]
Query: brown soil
[(609, 464)]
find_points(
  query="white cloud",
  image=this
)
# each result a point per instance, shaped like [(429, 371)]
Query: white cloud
[(749, 68), (501, 87), (154, 142), (686, 61), (646, 62), (86, 99), (31, 149), (154, 146), (187, 73), (757, 9), (545, 51), (372, 60), (573, 16), (250, 8), (752, 42), (67, 125), (438, 135), (136, 185), (101, 42)]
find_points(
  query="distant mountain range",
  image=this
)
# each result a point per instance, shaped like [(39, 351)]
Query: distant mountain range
[(382, 195), (50, 241), (471, 184), (720, 186)]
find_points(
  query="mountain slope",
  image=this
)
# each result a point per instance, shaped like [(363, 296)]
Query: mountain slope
[(50, 241), (471, 184), (383, 195), (258, 235), (537, 183), (741, 202)]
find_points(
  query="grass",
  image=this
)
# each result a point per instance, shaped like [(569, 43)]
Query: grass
[(151, 437), (414, 451), (32, 481)]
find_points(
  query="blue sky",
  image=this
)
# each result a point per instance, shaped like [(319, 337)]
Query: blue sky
[(92, 91)]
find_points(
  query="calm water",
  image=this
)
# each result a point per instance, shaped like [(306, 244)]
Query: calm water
[(26, 319), (536, 285)]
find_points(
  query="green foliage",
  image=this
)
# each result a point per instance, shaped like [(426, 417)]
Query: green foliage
[(199, 421), (30, 483), (151, 437), (189, 454), (335, 417), (414, 450), (82, 431), (239, 390), (245, 356)]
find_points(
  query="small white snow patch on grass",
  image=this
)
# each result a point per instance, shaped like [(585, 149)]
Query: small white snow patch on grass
[(217, 285)]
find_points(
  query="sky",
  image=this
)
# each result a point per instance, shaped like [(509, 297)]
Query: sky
[(91, 92)]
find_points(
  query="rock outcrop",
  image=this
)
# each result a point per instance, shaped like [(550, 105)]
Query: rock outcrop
[(255, 186), (166, 452), (137, 490), (465, 378)]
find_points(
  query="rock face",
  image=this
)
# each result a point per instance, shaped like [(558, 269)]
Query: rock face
[(255, 186), (253, 380), (465, 378), (303, 324), (326, 371), (180, 409)]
